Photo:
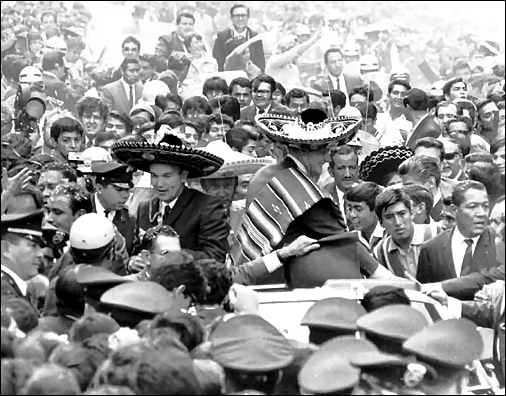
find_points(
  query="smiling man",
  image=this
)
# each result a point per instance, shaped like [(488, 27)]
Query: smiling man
[(92, 113), (468, 247)]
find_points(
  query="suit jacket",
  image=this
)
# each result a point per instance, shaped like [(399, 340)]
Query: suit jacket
[(465, 287), (199, 219), (324, 83), (435, 263), (249, 112), (125, 225), (171, 47), (427, 128), (116, 97), (225, 44)]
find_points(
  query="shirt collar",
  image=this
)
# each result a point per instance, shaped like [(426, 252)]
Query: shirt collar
[(266, 110), (99, 207), (457, 235), (418, 238), (437, 197), (15, 277), (163, 205), (235, 33)]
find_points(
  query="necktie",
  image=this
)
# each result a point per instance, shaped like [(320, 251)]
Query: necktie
[(106, 213), (468, 257), (166, 212), (131, 96), (261, 111)]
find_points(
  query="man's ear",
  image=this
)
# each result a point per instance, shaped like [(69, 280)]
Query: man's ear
[(184, 175)]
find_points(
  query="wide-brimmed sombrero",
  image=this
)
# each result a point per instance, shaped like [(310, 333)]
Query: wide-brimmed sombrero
[(140, 156), (235, 163), (381, 162), (309, 129)]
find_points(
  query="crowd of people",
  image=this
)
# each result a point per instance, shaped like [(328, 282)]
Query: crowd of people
[(148, 199)]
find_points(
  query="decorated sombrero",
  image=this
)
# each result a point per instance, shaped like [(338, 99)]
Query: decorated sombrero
[(140, 155), (381, 162), (312, 128), (236, 163)]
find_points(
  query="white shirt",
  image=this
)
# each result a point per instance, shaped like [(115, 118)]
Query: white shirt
[(341, 83), (266, 110), (101, 210), (15, 277), (459, 248), (340, 195)]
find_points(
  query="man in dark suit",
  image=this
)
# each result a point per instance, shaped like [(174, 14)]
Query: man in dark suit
[(53, 72), (416, 103), (113, 184), (468, 247), (124, 94), (335, 79), (263, 86), (230, 38)]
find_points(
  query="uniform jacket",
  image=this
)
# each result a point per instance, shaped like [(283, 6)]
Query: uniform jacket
[(249, 112), (116, 97), (198, 218), (324, 83), (427, 128), (465, 287), (225, 44), (435, 263)]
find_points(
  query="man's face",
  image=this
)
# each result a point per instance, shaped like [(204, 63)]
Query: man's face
[(429, 152), (214, 93), (496, 219), (223, 188), (131, 73), (487, 115), (242, 187), (452, 162), (445, 114), (356, 99), (262, 96), (277, 96), (240, 17), (397, 222), (115, 126), (130, 51), (316, 159), (360, 216), (298, 104), (218, 131), (185, 27), (163, 246), (458, 91), (113, 196), (243, 95), (449, 216), (345, 171), (48, 181), (335, 63), (47, 21), (472, 214), (146, 70), (27, 255), (167, 181), (464, 73), (397, 95), (190, 135), (58, 212), (460, 132), (249, 148), (92, 123), (264, 147), (69, 142), (499, 159)]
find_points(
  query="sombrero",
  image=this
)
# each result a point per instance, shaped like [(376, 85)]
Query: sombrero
[(140, 155), (236, 163), (381, 162), (310, 129)]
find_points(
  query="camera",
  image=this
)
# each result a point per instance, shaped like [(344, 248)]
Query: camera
[(29, 107)]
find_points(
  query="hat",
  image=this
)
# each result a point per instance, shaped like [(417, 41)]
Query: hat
[(380, 163), (328, 369), (113, 173), (416, 99), (152, 89), (56, 43), (91, 155), (395, 322), (351, 49), (236, 163), (334, 313), (453, 342), (294, 131), (96, 280), (369, 63), (90, 235), (142, 107), (74, 31), (400, 73), (140, 156), (26, 225), (250, 343), (30, 74)]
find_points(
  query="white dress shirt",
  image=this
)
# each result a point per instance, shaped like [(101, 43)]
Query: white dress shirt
[(127, 90), (459, 248), (101, 210), (21, 284), (340, 196)]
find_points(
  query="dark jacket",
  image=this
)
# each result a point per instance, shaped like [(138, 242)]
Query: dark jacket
[(225, 44), (249, 112), (324, 83), (199, 219), (171, 47), (427, 128), (465, 287)]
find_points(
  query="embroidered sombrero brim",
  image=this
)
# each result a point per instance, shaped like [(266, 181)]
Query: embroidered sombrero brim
[(140, 156), (380, 163), (292, 131), (238, 168)]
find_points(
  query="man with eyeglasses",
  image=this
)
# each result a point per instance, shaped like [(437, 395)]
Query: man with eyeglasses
[(445, 111), (232, 37), (452, 166)]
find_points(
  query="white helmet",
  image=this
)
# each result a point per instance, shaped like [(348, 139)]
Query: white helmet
[(55, 44), (152, 89), (92, 155), (351, 49), (30, 75), (91, 231), (369, 63)]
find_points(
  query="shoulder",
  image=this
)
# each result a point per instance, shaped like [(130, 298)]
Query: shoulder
[(111, 86), (224, 33), (439, 240)]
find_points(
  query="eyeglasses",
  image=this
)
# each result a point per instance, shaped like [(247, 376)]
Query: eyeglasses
[(442, 116), (263, 92), (397, 93), (450, 156), (129, 48), (240, 16)]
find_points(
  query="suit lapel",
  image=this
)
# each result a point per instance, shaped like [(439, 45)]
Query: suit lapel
[(448, 256), (123, 95), (182, 202), (480, 252)]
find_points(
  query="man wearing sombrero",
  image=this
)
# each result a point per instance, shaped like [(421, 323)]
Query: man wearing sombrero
[(198, 218), (284, 202)]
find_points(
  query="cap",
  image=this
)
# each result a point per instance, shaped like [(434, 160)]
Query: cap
[(74, 31), (151, 90), (143, 107), (416, 99), (250, 343), (56, 43), (453, 342), (92, 155), (334, 313), (351, 49), (26, 225), (29, 75), (395, 322), (114, 173), (383, 295), (302, 30), (369, 63), (54, 237), (89, 235)]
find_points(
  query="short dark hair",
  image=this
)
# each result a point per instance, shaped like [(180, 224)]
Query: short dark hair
[(496, 145), (162, 100), (450, 83), (280, 88), (65, 169), (238, 137), (219, 280), (330, 51), (241, 81), (215, 83), (341, 150), (127, 62), (364, 192), (79, 199), (462, 187), (227, 105), (12, 65), (188, 39), (380, 296), (463, 119), (184, 15), (422, 166), (392, 83), (131, 39), (420, 194), (123, 117), (368, 110), (88, 105), (235, 6), (389, 197), (461, 64), (65, 124), (104, 136), (196, 102), (446, 103), (217, 118), (430, 142), (149, 238), (365, 91), (263, 78), (487, 173), (337, 98), (295, 93), (172, 120), (52, 59), (466, 104)]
